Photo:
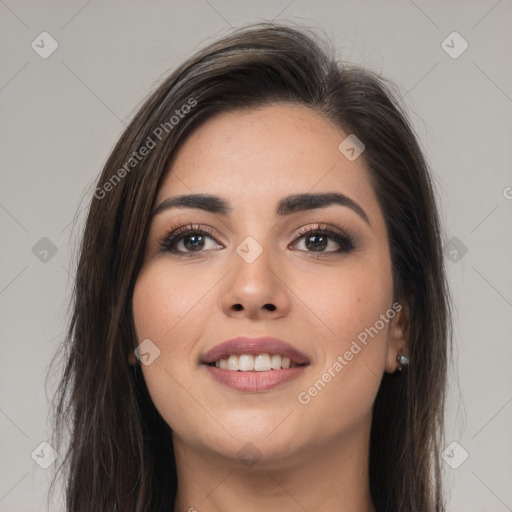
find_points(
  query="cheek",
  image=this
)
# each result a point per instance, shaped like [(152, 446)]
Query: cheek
[(346, 300), (153, 314), (354, 305), (166, 304), (170, 308)]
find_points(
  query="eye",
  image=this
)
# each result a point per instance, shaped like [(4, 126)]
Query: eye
[(324, 239), (188, 240), (321, 239)]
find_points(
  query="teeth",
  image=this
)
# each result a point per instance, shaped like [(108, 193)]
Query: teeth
[(232, 363), (275, 362), (246, 363), (259, 363), (262, 363)]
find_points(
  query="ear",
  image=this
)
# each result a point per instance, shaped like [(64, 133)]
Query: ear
[(398, 340)]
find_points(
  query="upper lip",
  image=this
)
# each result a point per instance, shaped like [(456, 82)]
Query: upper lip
[(254, 346)]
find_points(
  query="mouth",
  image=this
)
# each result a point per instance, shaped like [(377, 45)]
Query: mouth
[(257, 363), (254, 364)]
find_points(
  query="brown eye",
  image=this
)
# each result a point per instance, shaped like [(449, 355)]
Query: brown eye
[(324, 240), (189, 240)]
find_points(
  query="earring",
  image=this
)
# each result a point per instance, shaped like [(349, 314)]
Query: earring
[(403, 361)]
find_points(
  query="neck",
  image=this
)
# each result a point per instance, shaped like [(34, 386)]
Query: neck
[(331, 477)]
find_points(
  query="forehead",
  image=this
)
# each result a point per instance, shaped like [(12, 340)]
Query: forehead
[(257, 156)]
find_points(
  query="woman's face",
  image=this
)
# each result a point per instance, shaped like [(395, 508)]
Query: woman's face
[(316, 275)]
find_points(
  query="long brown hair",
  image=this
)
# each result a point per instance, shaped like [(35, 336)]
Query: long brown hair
[(120, 454)]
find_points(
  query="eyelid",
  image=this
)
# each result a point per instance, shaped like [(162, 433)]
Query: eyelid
[(173, 234), (345, 235), (325, 226)]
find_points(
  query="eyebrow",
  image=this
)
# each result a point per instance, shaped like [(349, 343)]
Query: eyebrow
[(286, 206)]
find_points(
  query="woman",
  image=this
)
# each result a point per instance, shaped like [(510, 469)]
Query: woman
[(260, 316)]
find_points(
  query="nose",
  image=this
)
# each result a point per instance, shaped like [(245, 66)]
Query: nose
[(255, 290)]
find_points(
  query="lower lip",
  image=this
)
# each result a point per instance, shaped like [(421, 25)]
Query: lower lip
[(254, 381)]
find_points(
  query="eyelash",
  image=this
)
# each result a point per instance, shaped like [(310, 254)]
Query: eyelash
[(345, 240)]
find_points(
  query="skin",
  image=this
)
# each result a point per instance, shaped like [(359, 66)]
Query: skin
[(310, 456)]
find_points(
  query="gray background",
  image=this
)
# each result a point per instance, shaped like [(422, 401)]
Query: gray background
[(62, 115)]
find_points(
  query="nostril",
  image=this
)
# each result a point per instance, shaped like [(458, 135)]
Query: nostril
[(270, 307), (237, 307)]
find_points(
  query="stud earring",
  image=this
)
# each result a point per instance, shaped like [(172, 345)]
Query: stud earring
[(403, 361)]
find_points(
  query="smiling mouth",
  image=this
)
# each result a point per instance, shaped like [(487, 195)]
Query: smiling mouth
[(254, 363)]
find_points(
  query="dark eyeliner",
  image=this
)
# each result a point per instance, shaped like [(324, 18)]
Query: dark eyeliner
[(169, 241), (345, 240)]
